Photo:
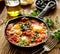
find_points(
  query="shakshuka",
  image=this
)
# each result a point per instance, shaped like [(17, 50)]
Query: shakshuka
[(26, 32)]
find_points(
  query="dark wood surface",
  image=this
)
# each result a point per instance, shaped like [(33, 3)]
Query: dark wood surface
[(6, 48)]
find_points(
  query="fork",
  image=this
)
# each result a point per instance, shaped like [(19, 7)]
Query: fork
[(48, 46)]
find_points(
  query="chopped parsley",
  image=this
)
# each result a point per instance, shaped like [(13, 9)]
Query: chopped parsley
[(25, 26)]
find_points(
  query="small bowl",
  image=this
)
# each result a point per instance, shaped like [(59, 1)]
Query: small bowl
[(41, 5)]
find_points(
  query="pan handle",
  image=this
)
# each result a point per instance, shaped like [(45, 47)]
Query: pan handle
[(41, 15)]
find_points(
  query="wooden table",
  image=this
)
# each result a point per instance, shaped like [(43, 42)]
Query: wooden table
[(6, 48)]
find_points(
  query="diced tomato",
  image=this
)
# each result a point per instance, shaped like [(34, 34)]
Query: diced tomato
[(34, 22), (13, 39), (9, 26), (38, 40), (23, 19), (7, 33), (43, 36), (26, 22), (28, 33)]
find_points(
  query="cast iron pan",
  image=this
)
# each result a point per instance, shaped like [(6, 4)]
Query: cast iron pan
[(39, 18)]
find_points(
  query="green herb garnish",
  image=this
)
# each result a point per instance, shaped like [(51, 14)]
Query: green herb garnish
[(32, 40), (56, 22), (56, 34), (34, 13), (22, 43), (25, 26), (49, 22), (36, 33)]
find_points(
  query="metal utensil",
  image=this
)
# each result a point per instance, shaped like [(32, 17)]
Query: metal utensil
[(49, 46)]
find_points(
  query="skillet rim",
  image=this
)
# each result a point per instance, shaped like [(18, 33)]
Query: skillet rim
[(9, 21)]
